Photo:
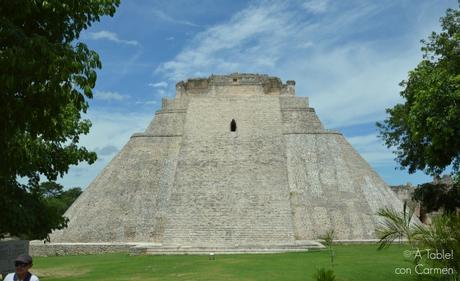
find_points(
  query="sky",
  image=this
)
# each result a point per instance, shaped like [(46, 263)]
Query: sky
[(347, 56)]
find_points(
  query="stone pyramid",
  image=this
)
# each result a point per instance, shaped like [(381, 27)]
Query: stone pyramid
[(232, 161)]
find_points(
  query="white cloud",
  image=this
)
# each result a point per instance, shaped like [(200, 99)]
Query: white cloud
[(348, 81), (371, 148), (160, 90), (107, 150), (253, 37), (305, 45), (148, 102), (162, 84), (153, 102), (111, 36), (359, 86), (315, 6), (165, 17), (109, 96)]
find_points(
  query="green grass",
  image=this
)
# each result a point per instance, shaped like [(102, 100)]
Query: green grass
[(354, 262)]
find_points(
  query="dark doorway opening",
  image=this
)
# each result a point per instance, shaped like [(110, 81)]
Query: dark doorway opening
[(233, 126)]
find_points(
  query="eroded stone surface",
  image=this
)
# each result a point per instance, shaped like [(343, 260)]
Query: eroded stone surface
[(188, 180)]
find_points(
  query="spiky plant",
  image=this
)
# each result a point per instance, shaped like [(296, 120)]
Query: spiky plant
[(395, 225), (328, 239)]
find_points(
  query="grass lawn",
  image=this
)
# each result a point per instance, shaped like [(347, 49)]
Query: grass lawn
[(354, 262)]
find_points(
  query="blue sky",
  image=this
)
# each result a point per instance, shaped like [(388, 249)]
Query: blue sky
[(346, 56)]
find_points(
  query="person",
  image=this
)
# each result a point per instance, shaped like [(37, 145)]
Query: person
[(22, 264)]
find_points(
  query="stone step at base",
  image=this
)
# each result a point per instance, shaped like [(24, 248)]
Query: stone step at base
[(157, 249), (38, 248)]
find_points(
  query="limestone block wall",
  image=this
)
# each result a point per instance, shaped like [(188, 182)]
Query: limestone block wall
[(231, 187), (167, 124), (332, 187), (169, 121), (126, 202), (55, 249), (236, 90), (177, 104), (301, 121), (298, 117), (287, 102)]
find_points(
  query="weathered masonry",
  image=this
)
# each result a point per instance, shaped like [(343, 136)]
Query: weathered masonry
[(233, 161)]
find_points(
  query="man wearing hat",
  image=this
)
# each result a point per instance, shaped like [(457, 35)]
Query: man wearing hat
[(22, 265)]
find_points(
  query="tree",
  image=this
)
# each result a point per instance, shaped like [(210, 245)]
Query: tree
[(46, 79), (425, 129), (50, 189), (55, 196), (437, 196)]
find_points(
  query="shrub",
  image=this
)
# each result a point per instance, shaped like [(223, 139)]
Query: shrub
[(395, 225), (324, 275), (443, 235)]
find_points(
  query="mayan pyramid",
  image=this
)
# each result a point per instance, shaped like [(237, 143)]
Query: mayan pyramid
[(232, 160)]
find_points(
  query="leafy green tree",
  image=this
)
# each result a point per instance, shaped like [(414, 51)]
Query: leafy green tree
[(46, 79), (55, 196), (434, 197), (69, 196), (425, 129), (50, 189)]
